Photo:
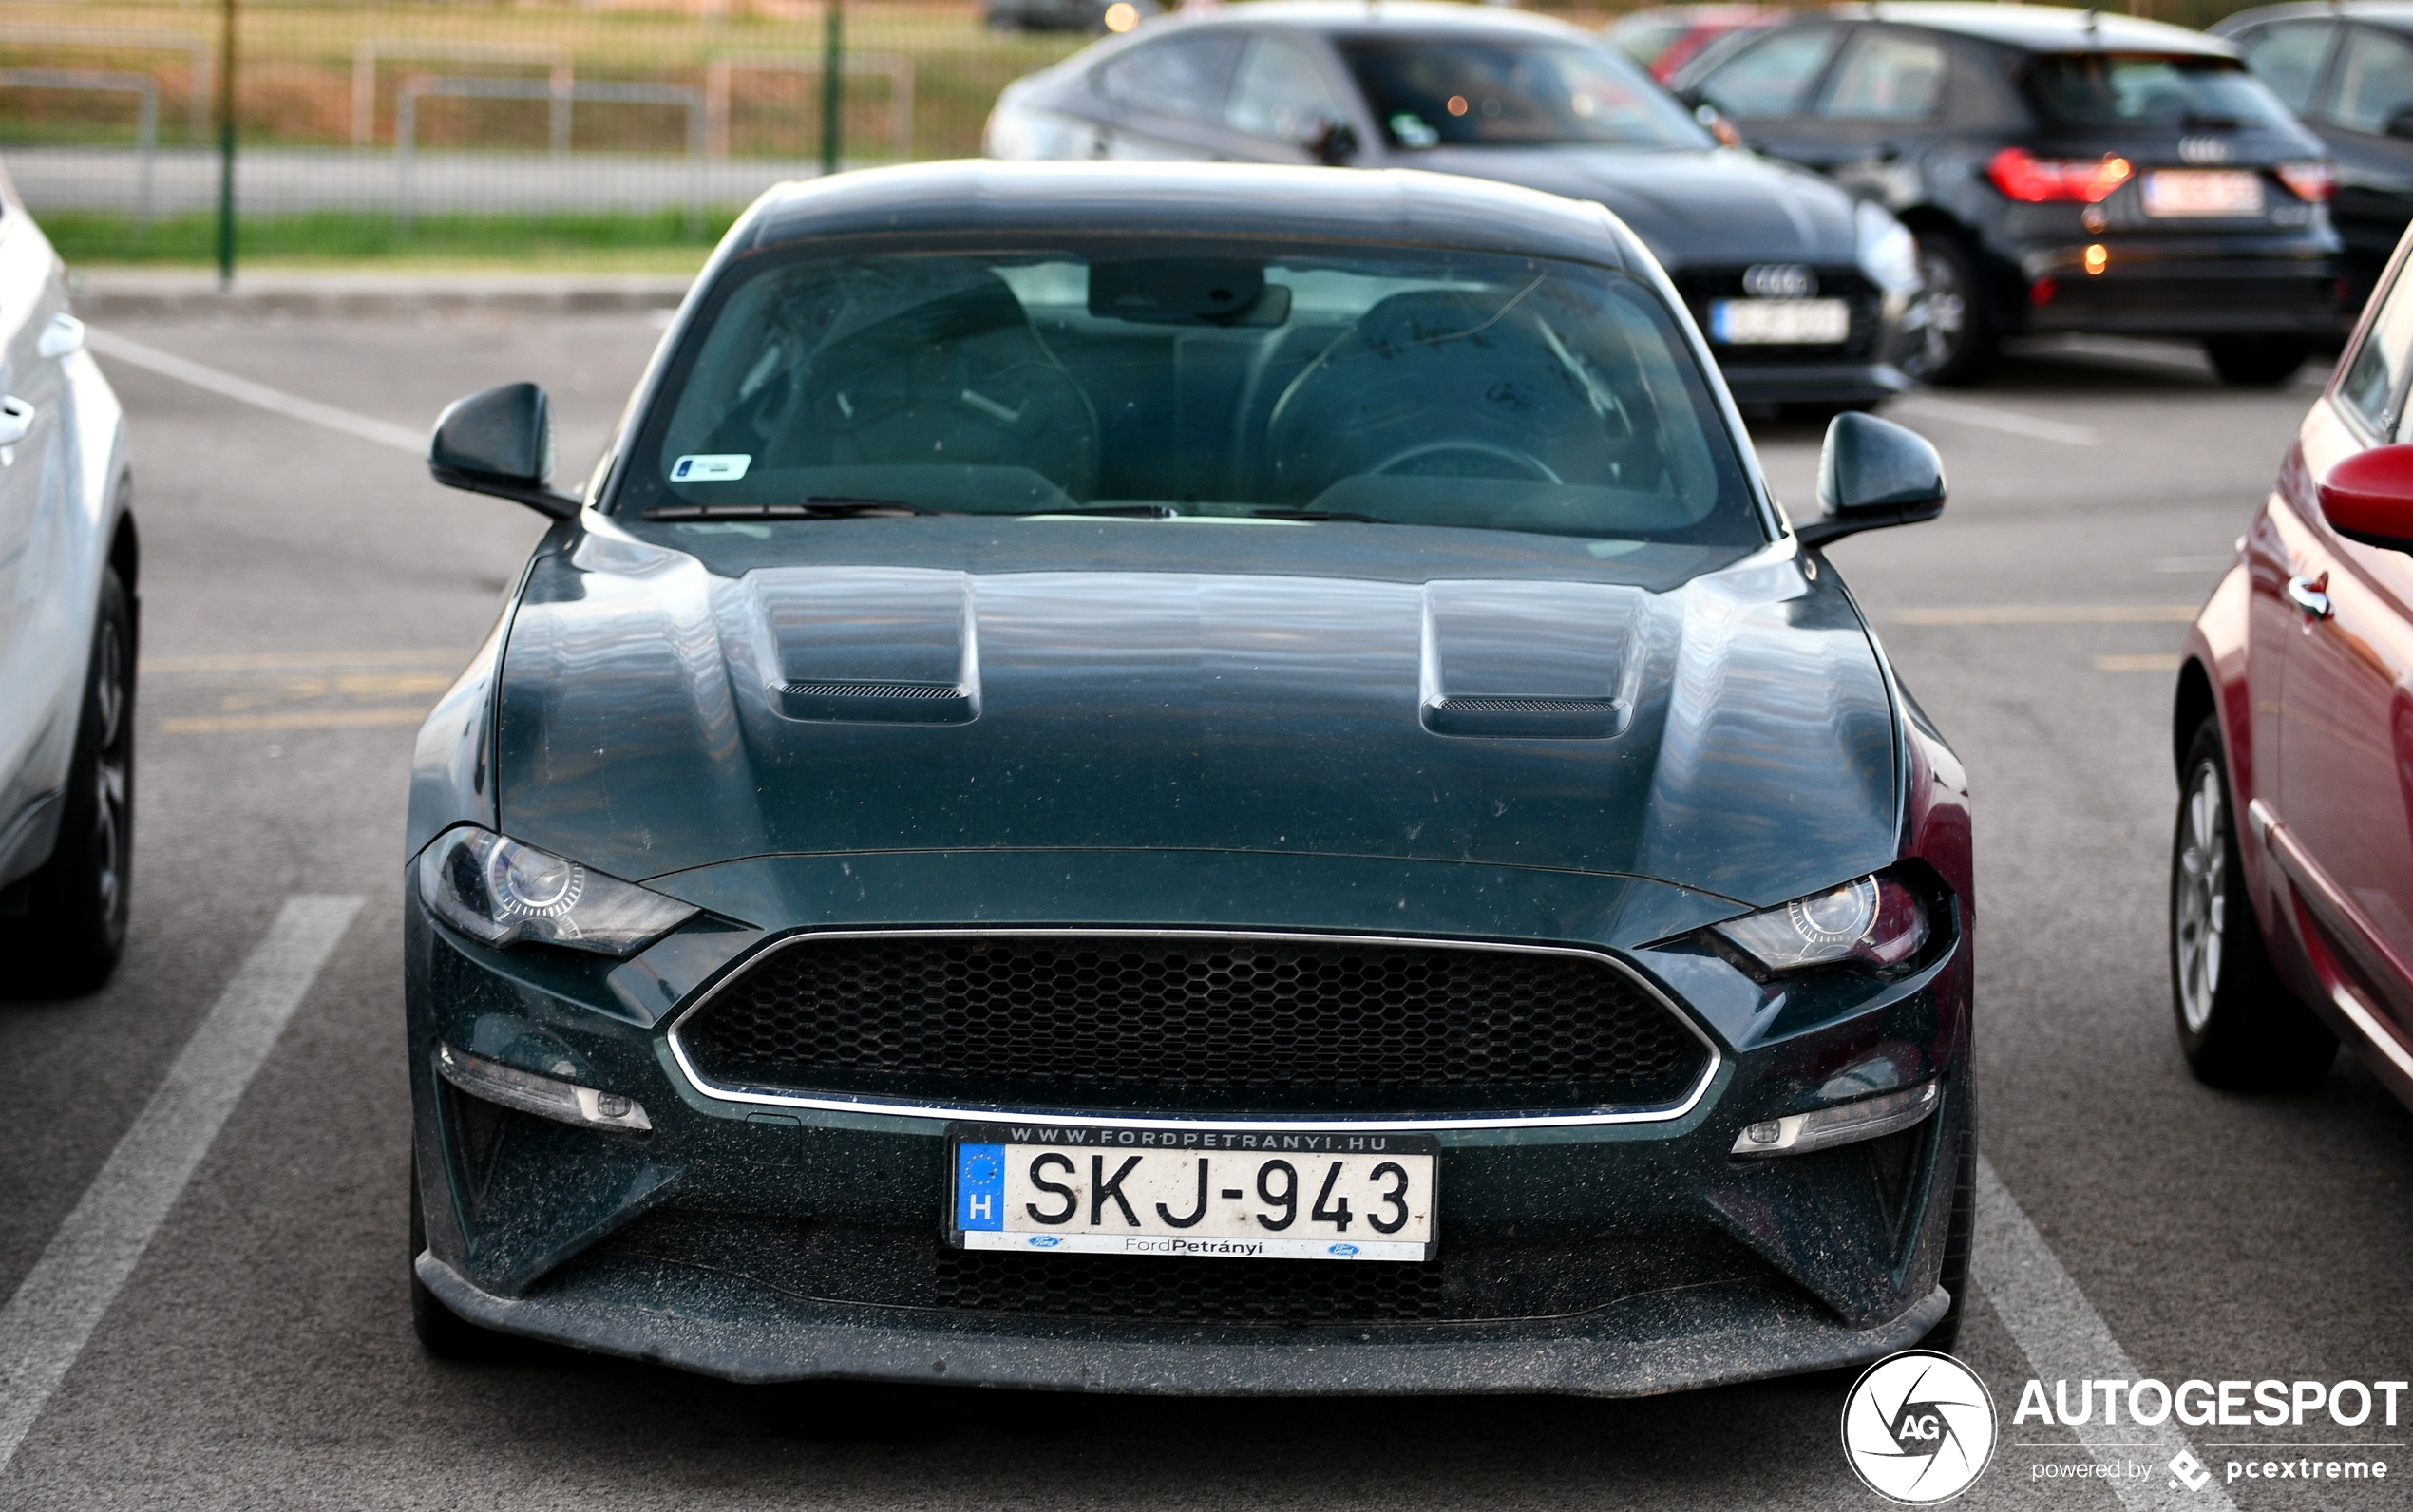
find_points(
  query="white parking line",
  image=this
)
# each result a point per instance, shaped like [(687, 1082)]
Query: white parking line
[(62, 1298), (2064, 1339), (167, 364), (1986, 416)]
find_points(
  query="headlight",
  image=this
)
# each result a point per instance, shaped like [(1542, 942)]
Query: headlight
[(1875, 922), (502, 892), (1889, 254)]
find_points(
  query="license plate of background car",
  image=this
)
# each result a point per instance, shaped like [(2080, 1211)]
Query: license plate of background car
[(1246, 1195), (1780, 321), (2171, 191)]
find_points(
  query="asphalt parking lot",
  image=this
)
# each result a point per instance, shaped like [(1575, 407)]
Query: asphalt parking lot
[(307, 591)]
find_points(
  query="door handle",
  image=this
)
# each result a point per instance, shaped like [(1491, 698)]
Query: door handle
[(16, 419), (62, 336), (2311, 594)]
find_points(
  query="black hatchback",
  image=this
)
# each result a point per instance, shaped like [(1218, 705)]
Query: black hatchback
[(2065, 171)]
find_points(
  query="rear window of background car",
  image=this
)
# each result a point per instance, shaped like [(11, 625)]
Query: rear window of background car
[(1887, 76), (1178, 76), (1774, 78), (2128, 89), (2374, 80), (2288, 57)]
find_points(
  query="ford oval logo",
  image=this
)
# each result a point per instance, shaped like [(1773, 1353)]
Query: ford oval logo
[(2204, 149), (1344, 1250), (1044, 1241), (1779, 280)]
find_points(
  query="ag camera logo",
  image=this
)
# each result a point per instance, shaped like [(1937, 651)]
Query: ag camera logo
[(1918, 1427)]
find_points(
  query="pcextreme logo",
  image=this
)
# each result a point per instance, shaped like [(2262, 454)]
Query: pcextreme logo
[(1918, 1427)]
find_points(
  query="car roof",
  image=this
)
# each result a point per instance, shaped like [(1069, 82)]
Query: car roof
[(1392, 206), (1358, 18), (2045, 29), (2393, 13)]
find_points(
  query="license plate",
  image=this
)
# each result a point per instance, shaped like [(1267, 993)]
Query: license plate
[(1265, 1195), (1780, 321), (2203, 192)]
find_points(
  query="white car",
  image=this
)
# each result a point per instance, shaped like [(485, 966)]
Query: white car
[(68, 626)]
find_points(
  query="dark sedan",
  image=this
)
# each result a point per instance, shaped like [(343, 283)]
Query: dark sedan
[(1801, 292), (2065, 170), (2346, 67), (1189, 779)]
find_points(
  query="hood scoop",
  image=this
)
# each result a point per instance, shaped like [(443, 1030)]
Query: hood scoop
[(868, 646), (1530, 660)]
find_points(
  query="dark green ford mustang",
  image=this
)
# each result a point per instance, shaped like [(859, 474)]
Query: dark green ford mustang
[(1187, 779)]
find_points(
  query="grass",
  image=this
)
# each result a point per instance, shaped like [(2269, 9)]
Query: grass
[(597, 243)]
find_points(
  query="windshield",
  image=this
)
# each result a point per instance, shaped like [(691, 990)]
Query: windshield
[(2103, 90), (1155, 379), (1465, 92)]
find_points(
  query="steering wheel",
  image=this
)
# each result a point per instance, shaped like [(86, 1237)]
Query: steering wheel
[(1405, 463)]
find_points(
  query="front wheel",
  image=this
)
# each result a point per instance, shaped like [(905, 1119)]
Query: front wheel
[(2257, 362), (72, 931), (2238, 1025)]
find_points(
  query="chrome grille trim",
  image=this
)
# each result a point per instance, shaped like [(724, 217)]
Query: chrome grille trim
[(759, 1096)]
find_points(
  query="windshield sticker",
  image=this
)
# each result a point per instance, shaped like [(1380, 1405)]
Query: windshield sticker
[(712, 467)]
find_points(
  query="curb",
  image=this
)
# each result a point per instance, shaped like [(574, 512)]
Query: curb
[(111, 295)]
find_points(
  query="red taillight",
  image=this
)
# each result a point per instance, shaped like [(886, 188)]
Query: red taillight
[(2040, 292), (2315, 181), (2024, 176)]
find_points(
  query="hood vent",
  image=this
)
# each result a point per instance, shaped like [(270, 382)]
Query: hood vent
[(867, 645), (1530, 660)]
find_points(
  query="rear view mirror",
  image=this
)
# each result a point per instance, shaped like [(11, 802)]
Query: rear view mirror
[(501, 442), (1873, 473), (2369, 498)]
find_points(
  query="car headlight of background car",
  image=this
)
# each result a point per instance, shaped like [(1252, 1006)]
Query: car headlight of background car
[(1888, 253), (1874, 921), (498, 891)]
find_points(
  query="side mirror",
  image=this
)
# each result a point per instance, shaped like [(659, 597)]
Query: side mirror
[(2369, 498), (2400, 125), (1873, 473), (501, 442), (1335, 145)]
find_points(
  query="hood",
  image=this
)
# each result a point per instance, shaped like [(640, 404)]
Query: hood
[(1350, 690), (1692, 209)]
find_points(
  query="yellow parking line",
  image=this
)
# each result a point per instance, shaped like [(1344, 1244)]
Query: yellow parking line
[(322, 719), (276, 661), (2045, 615), (2151, 661)]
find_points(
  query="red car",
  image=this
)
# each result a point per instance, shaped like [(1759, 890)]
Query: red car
[(1664, 38), (2291, 873)]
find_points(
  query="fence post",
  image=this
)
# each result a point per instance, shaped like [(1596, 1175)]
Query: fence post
[(833, 88), (147, 144), (226, 154)]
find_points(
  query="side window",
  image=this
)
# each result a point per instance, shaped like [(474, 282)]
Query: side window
[(1180, 76), (1887, 76), (1278, 92), (1774, 79), (2374, 385), (2375, 80), (2288, 57)]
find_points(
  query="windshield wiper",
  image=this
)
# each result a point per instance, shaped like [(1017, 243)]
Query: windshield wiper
[(1114, 511), (1320, 514), (817, 508)]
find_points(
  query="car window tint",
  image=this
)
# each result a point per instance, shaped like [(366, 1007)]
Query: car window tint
[(1887, 76), (1773, 78), (1278, 92), (2288, 57), (1181, 76), (2375, 79), (1410, 386), (2374, 384), (1514, 92), (2104, 89)]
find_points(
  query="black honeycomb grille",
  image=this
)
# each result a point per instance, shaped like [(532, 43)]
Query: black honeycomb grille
[(1188, 1025)]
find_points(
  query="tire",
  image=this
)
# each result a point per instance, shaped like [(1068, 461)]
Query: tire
[(73, 929), (2257, 362), (1951, 328), (1955, 1274), (2238, 1025), (442, 1331)]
